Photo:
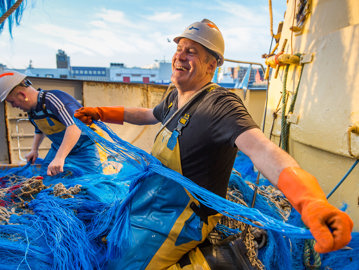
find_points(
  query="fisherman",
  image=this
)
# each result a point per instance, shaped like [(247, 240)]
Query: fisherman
[(203, 127), (51, 113)]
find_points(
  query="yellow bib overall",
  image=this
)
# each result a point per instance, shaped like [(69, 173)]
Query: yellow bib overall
[(169, 253)]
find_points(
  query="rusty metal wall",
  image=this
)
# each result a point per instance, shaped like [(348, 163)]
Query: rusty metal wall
[(128, 95), (4, 154)]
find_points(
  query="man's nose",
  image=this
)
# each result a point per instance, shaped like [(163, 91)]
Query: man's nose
[(181, 55)]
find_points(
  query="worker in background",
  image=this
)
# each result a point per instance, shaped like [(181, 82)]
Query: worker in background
[(51, 113), (203, 127)]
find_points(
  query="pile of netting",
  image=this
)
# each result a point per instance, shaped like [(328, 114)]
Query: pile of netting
[(81, 221)]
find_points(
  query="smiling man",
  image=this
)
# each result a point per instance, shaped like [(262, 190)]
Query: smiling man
[(203, 127), (51, 114)]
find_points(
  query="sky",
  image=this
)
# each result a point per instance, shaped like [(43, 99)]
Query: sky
[(134, 32)]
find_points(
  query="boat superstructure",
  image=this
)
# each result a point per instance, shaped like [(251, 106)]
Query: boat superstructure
[(312, 108)]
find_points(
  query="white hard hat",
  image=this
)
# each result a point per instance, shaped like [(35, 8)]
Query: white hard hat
[(207, 34), (8, 80)]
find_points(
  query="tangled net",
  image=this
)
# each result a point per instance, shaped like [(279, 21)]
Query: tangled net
[(60, 223)]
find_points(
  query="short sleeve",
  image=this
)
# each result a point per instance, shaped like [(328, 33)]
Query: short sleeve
[(62, 105), (230, 117)]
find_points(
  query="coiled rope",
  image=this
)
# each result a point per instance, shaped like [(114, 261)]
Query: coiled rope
[(308, 252)]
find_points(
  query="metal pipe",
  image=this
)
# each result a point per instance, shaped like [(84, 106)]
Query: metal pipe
[(18, 137), (245, 62)]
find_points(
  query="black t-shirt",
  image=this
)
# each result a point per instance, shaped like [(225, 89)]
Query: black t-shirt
[(207, 143)]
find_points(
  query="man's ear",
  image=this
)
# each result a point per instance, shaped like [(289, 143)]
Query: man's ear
[(21, 94), (212, 65)]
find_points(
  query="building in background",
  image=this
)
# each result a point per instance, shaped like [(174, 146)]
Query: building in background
[(160, 72), (120, 73), (90, 73), (62, 60)]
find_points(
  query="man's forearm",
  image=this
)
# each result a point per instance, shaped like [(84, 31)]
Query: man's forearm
[(38, 138), (267, 157), (72, 135), (139, 116), (116, 115)]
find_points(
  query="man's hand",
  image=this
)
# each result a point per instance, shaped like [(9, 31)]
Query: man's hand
[(56, 166), (112, 114), (32, 156), (330, 227), (87, 114)]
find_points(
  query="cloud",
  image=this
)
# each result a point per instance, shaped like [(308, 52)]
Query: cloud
[(117, 19), (102, 40), (98, 24), (243, 14), (164, 17), (133, 34)]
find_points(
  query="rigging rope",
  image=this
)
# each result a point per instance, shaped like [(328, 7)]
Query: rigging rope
[(284, 123), (342, 180), (271, 17), (284, 131), (10, 11)]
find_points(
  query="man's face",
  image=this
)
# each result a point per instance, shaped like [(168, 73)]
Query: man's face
[(17, 100), (192, 68)]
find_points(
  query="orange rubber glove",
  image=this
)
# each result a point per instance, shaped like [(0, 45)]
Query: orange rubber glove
[(330, 227), (106, 114)]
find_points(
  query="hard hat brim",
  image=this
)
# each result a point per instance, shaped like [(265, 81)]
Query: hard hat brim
[(203, 42)]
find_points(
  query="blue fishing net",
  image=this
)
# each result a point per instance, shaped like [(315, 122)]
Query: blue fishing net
[(87, 228), (284, 251)]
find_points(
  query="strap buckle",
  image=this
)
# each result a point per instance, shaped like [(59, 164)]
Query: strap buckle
[(182, 122)]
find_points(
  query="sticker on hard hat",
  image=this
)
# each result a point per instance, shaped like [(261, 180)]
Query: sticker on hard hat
[(212, 26), (192, 27)]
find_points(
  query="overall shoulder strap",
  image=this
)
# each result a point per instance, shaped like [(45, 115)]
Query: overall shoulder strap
[(191, 108), (186, 115), (43, 104)]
